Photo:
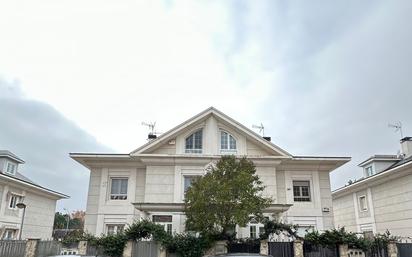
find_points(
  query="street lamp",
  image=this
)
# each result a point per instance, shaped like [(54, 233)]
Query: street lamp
[(68, 220), (21, 206)]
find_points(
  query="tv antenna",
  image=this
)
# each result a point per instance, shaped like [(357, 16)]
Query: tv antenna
[(397, 126), (151, 127), (261, 128)]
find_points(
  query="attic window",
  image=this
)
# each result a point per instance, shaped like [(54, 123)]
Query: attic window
[(369, 171), (227, 143), (11, 168), (194, 142)]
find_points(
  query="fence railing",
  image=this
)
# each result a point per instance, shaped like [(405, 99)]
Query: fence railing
[(12, 248)]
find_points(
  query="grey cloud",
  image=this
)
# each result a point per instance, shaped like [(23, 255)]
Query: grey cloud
[(43, 137), (340, 74)]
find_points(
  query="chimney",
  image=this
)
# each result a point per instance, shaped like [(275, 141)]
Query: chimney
[(151, 136), (406, 146)]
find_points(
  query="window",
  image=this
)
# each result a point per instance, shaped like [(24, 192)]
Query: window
[(368, 234), (369, 171), (113, 229), (188, 180), (194, 142), (118, 189), (9, 234), (252, 231), (165, 221), (301, 191), (11, 168), (14, 200), (227, 143), (362, 203)]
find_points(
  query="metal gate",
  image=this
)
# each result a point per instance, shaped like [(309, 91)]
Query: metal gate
[(12, 248), (311, 250), (247, 247), (377, 251), (92, 250), (281, 249), (404, 249), (47, 248), (144, 249)]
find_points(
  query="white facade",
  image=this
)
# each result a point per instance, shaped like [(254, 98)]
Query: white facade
[(155, 175), (40, 203), (378, 202)]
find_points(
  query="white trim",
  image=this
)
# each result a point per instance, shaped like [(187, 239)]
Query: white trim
[(199, 117), (361, 184), (365, 203), (45, 190)]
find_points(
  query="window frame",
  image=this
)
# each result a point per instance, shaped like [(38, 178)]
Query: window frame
[(11, 164), (167, 225), (369, 168), (6, 232), (119, 196), (13, 204), (228, 149), (117, 228), (184, 180), (365, 203), (301, 197), (194, 150)]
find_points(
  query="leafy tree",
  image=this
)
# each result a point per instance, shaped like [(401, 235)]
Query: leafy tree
[(226, 196), (60, 221)]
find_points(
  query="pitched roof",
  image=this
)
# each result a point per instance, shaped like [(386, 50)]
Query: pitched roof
[(210, 111), (8, 154), (359, 182)]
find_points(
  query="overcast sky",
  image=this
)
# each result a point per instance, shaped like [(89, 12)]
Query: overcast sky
[(324, 77)]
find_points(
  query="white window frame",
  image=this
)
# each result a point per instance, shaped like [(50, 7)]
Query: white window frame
[(14, 200), (369, 168), (192, 176), (118, 227), (116, 197), (365, 209), (11, 164), (301, 192), (6, 235), (227, 150), (167, 226), (194, 150)]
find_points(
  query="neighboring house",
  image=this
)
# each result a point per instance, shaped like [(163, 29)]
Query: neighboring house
[(40, 202), (382, 199), (150, 181)]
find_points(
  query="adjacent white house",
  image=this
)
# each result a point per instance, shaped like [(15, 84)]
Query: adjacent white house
[(40, 202), (382, 199), (150, 181)]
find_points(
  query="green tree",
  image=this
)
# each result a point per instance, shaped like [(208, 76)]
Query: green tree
[(60, 221), (227, 195)]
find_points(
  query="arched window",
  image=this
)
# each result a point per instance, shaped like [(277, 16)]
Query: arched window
[(227, 143), (194, 142)]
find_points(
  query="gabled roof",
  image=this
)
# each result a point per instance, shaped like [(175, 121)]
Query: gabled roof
[(210, 111)]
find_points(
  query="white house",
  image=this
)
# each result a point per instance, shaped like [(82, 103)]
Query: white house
[(150, 181), (40, 202), (382, 199)]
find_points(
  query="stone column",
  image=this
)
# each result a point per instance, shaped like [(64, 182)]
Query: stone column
[(264, 247), (343, 250), (127, 251), (298, 248), (392, 249), (82, 247), (31, 246), (221, 247)]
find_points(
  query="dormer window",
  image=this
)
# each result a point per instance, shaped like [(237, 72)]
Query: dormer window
[(194, 142), (227, 143), (369, 171), (11, 168)]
